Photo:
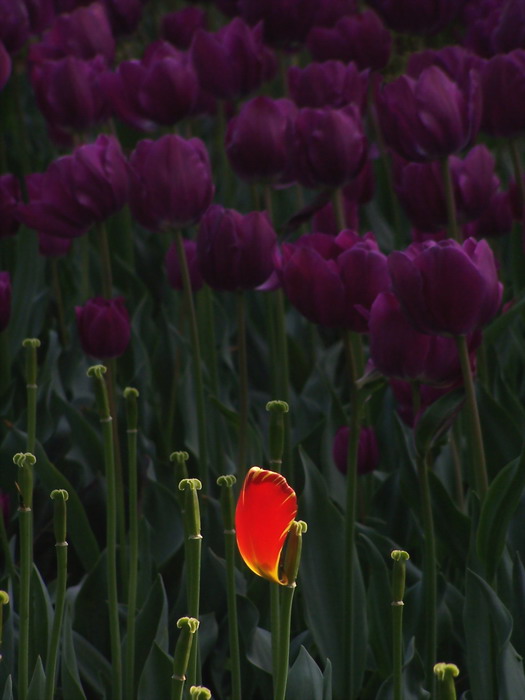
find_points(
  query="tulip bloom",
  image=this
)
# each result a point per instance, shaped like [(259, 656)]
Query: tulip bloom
[(103, 327), (265, 511)]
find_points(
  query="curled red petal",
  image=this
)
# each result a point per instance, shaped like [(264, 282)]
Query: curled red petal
[(266, 508)]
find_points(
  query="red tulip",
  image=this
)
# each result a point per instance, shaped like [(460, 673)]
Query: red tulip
[(265, 511)]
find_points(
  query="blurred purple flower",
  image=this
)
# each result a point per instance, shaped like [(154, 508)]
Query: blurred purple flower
[(171, 184), (496, 219), (235, 251), (503, 89), (367, 451), (286, 22), (328, 84), (232, 62), (333, 281), (361, 38), (447, 288), (417, 16), (14, 24), (179, 27), (53, 246), (103, 327), (5, 66), (430, 117), (257, 140)]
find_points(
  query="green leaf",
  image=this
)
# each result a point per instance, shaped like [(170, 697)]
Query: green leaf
[(151, 625), (500, 503), (452, 526), (321, 579), (437, 419), (259, 652), (305, 679), (8, 689), (71, 686), (494, 667), (93, 667), (162, 511), (41, 618), (37, 687), (155, 680), (327, 681)]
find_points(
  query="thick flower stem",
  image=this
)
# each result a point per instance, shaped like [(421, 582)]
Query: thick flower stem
[(105, 262), (181, 657), (429, 569), (197, 362), (5, 362), (228, 509), (445, 674), (59, 497), (97, 373), (284, 645), (131, 395), (354, 359), (478, 450), (453, 228), (243, 444), (59, 301), (25, 463), (398, 591)]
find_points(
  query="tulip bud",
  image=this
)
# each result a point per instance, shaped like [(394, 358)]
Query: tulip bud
[(103, 327), (367, 451)]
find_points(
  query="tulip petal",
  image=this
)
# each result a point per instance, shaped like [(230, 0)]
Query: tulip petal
[(265, 511)]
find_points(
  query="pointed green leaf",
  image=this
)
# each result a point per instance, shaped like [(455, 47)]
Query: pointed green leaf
[(151, 625), (8, 689), (155, 680), (37, 687), (305, 679), (437, 419)]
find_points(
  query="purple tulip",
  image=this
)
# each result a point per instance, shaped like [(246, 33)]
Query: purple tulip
[(417, 16), (421, 190), (330, 11), (329, 84), (329, 147), (173, 268), (286, 22), (160, 89), (235, 251), (171, 184), (447, 288), (78, 190), (53, 246), (503, 88), (361, 38), (124, 15), (333, 281), (232, 62), (257, 140), (404, 395), (103, 327), (367, 451), (398, 350), (430, 117), (481, 18), (455, 61), (179, 27), (41, 14), (5, 299), (10, 198), (509, 34), (85, 33), (68, 91), (14, 24)]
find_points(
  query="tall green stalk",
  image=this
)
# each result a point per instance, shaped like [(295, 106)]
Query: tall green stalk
[(31, 345), (197, 361), (25, 463), (398, 593), (181, 658), (105, 262), (354, 363), (478, 450), (445, 674), (59, 496), (5, 362), (131, 395), (4, 600), (193, 561), (243, 442), (97, 372), (226, 484)]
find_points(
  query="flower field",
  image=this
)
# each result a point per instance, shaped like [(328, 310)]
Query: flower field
[(262, 378)]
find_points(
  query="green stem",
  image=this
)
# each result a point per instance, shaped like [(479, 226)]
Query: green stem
[(445, 674), (478, 450), (31, 345), (242, 465), (85, 260), (10, 567), (105, 260), (456, 461), (119, 479), (230, 546), (354, 358), (284, 646), (97, 373), (453, 228), (197, 362), (131, 395), (283, 381), (59, 300), (61, 547), (429, 569), (181, 657), (25, 463), (275, 622), (5, 362), (398, 591)]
